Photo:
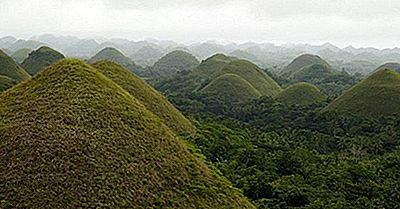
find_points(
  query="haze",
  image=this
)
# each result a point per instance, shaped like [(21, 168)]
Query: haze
[(359, 23)]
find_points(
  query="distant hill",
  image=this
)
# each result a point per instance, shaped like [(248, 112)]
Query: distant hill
[(20, 55), (9, 68), (391, 66), (174, 62), (218, 73), (115, 55), (153, 100), (6, 83), (378, 95), (25, 44), (303, 61), (72, 138), (232, 88), (40, 59), (147, 55), (301, 94), (312, 73)]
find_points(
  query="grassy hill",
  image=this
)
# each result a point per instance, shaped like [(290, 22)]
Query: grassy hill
[(114, 55), (152, 99), (6, 83), (20, 55), (10, 69), (312, 73), (302, 62), (72, 138), (378, 95), (232, 88), (40, 59), (174, 62), (391, 66), (301, 93)]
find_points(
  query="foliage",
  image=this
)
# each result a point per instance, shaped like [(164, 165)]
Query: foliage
[(40, 59)]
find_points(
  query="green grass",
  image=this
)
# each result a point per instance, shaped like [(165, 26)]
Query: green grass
[(312, 73), (232, 88), (20, 55), (6, 83), (301, 62), (10, 69), (376, 96), (301, 94), (112, 54), (40, 59), (72, 138), (152, 99), (174, 62)]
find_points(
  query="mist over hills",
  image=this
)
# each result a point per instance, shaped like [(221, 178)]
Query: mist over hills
[(266, 55)]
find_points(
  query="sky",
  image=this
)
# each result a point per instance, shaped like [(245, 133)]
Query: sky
[(360, 23)]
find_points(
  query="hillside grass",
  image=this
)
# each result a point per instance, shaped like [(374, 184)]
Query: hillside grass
[(9, 68), (40, 59), (376, 96), (152, 99), (302, 62), (173, 62), (301, 93), (6, 83), (20, 55), (232, 88), (72, 138)]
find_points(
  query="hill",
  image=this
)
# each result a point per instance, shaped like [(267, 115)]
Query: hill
[(9, 68), (40, 59), (114, 55), (376, 96), (6, 83), (153, 100), (20, 55), (312, 73), (174, 62), (390, 65), (302, 62), (232, 88), (147, 55), (301, 93), (72, 138)]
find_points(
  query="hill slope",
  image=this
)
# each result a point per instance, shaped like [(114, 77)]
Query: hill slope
[(72, 138), (40, 59), (378, 95), (114, 55), (153, 100), (10, 69), (391, 66), (6, 83), (301, 62), (232, 88), (301, 93), (174, 62), (20, 55)]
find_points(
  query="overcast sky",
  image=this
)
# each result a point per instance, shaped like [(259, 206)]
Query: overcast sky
[(342, 22)]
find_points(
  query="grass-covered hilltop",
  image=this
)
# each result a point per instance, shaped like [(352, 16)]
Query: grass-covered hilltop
[(376, 96), (152, 99), (390, 65), (72, 138), (233, 79), (114, 55), (173, 62), (301, 94), (302, 62), (20, 55), (40, 59), (10, 72)]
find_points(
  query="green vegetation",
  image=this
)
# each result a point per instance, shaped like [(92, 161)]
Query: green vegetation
[(232, 88), (376, 96), (301, 94), (72, 138), (153, 100), (114, 55), (20, 55), (174, 62), (303, 61), (40, 59), (9, 68), (6, 83)]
